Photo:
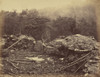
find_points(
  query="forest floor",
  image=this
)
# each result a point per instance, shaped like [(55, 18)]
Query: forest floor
[(25, 60)]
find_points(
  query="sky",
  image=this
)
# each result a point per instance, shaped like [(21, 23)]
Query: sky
[(19, 5)]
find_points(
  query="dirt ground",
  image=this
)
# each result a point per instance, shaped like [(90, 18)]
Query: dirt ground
[(24, 60)]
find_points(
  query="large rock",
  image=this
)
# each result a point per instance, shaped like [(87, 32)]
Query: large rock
[(77, 43)]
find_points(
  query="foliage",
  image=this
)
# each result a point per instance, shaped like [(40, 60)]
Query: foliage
[(31, 23)]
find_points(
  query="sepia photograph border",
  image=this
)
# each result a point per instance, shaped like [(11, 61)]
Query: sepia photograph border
[(96, 4)]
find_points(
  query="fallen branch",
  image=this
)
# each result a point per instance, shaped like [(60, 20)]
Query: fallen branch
[(13, 44), (80, 66), (12, 64), (76, 61)]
